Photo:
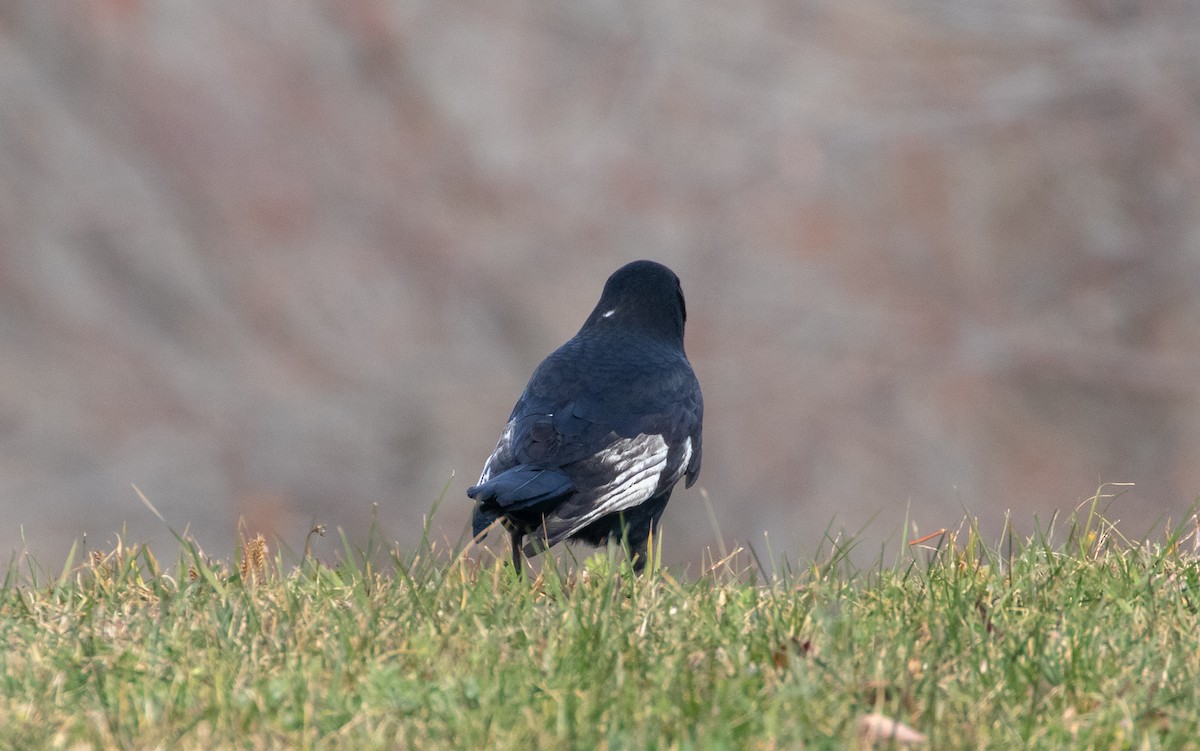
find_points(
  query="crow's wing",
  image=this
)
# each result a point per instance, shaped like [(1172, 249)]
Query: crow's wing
[(648, 424), (544, 428), (625, 475), (619, 419)]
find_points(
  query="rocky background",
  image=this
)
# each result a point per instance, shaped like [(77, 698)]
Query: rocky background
[(292, 261)]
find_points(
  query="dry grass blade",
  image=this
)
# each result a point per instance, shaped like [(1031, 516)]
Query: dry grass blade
[(254, 559), (928, 537)]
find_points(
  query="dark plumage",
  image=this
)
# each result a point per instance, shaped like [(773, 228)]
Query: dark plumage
[(609, 422)]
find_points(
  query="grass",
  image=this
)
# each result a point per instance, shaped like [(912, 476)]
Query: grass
[(1075, 638)]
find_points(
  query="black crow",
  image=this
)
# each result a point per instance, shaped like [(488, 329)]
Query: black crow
[(609, 422)]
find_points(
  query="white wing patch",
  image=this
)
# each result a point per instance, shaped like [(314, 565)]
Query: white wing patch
[(638, 464), (684, 461), (503, 447)]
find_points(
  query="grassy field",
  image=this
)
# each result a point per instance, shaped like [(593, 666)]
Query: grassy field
[(1075, 638)]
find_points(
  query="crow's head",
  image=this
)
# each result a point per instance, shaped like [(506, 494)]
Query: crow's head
[(642, 296)]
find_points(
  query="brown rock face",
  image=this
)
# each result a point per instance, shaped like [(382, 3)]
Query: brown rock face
[(286, 260)]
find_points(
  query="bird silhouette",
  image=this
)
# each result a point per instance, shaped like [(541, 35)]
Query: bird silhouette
[(608, 424)]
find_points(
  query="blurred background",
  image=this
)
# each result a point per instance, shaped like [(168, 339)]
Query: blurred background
[(292, 261)]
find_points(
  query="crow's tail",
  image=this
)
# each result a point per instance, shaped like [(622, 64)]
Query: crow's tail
[(521, 488)]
